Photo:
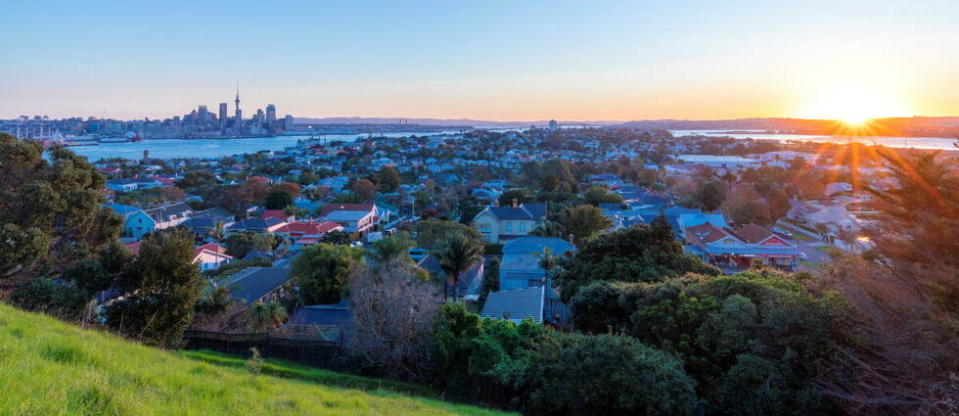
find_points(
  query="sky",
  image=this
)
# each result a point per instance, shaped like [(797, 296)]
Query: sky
[(487, 60)]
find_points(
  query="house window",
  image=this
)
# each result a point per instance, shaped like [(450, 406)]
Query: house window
[(522, 227), (509, 227)]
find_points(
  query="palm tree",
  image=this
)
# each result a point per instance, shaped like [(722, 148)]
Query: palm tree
[(456, 255), (549, 262), (265, 315), (216, 301)]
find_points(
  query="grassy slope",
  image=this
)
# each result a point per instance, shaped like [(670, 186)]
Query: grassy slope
[(51, 368)]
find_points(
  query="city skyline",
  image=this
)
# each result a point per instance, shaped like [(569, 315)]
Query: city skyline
[(490, 61)]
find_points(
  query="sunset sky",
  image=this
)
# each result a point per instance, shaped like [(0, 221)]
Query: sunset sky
[(492, 60)]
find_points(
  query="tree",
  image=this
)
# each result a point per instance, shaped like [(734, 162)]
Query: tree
[(364, 189), (642, 253), (521, 196), (51, 211), (239, 244), (322, 272), (266, 315), (197, 179), (388, 179), (457, 254), (490, 279), (392, 248), (289, 188), (278, 200), (393, 307), (710, 196), (583, 222), (161, 289), (431, 233), (596, 195)]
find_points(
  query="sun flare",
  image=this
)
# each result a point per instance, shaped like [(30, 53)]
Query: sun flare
[(852, 105)]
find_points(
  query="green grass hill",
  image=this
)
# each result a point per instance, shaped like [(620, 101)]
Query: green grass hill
[(50, 368)]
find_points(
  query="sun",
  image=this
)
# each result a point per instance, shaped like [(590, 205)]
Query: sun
[(851, 104)]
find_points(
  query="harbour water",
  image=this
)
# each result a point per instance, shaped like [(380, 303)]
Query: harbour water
[(215, 148), (210, 148), (937, 143)]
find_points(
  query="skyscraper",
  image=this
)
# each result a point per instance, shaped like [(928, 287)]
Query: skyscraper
[(271, 114), (239, 115), (222, 115)]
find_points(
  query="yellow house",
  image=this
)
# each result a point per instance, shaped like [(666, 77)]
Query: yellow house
[(500, 224)]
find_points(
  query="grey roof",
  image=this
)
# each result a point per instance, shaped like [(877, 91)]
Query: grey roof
[(323, 315), (253, 283), (522, 212), (161, 214), (528, 245), (254, 224), (199, 222), (515, 305)]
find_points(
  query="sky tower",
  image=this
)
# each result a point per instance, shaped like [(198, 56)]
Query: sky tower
[(239, 114)]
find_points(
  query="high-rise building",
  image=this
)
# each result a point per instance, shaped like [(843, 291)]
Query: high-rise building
[(202, 115), (288, 123), (222, 115), (259, 115), (271, 114), (238, 119)]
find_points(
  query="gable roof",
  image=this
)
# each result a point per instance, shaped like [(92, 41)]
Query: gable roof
[(515, 305), (255, 223), (752, 233), (707, 233), (179, 209), (532, 212), (212, 248), (309, 228), (123, 210), (328, 208), (253, 283), (324, 315)]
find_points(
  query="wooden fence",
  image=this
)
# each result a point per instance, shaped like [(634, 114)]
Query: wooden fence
[(317, 352)]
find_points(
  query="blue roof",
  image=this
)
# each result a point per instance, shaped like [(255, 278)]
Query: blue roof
[(122, 209), (253, 283), (323, 315), (515, 305), (523, 212), (524, 245)]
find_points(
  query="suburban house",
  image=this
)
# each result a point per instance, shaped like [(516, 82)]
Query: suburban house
[(469, 285), (258, 284), (307, 233), (332, 322), (515, 305), (136, 222), (499, 224), (130, 185), (278, 214), (257, 225), (211, 256), (520, 267), (168, 216), (355, 218), (734, 250)]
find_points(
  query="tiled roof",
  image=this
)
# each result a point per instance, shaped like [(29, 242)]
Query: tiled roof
[(752, 233), (706, 233), (515, 305), (275, 213)]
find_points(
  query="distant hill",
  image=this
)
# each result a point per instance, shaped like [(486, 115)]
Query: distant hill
[(440, 121), (50, 368), (900, 126)]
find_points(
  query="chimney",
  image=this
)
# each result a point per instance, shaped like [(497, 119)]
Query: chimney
[(515, 203)]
